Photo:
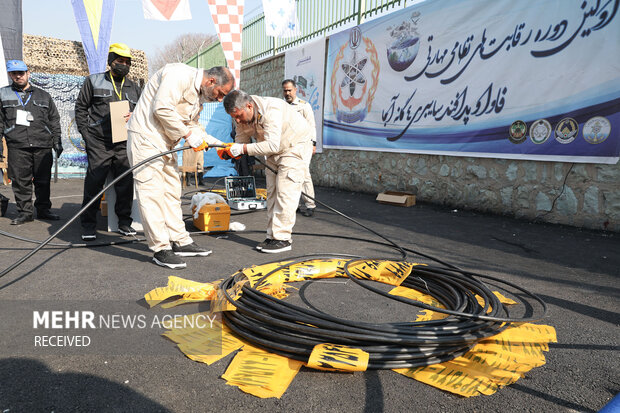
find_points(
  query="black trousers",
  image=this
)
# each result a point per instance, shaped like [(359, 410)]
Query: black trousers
[(104, 157), (28, 166)]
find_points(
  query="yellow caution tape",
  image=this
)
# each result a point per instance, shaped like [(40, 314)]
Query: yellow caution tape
[(190, 290), (416, 295), (221, 303), (209, 347), (335, 357), (491, 364), (261, 373)]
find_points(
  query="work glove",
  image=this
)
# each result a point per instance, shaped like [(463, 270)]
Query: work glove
[(57, 146), (227, 153), (203, 146), (196, 142)]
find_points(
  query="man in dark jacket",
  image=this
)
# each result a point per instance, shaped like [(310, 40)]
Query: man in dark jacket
[(30, 124), (92, 116)]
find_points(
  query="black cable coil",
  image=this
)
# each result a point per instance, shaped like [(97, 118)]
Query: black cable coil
[(291, 331)]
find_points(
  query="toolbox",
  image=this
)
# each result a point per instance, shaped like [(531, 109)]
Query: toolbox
[(241, 193), (213, 217)]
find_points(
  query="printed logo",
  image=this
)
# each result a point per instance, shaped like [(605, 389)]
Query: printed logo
[(354, 81), (517, 132), (566, 130), (404, 43), (355, 38), (596, 130), (540, 131)]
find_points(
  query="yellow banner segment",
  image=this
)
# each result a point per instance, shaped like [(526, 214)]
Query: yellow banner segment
[(491, 364), (260, 373), (387, 272), (503, 299), (221, 303), (336, 357), (416, 295), (179, 286), (452, 380), (208, 347)]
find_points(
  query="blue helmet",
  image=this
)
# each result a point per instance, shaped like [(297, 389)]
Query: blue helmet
[(16, 66)]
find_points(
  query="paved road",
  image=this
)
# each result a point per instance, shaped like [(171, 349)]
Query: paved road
[(575, 271)]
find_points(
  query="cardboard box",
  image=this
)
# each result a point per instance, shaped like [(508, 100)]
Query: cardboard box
[(213, 217), (104, 208), (404, 199)]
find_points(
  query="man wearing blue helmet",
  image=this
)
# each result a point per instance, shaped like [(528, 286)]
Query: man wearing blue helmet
[(30, 124)]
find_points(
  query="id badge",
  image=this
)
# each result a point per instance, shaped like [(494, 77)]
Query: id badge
[(23, 118)]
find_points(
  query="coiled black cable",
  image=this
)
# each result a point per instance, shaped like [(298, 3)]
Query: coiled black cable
[(292, 331)]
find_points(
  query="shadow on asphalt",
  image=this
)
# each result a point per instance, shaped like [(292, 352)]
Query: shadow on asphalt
[(21, 277), (611, 317), (29, 385), (550, 398), (595, 251), (72, 234)]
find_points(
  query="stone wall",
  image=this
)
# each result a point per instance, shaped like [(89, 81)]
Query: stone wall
[(264, 78), (56, 56), (582, 195)]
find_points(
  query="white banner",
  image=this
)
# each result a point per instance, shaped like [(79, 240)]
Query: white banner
[(305, 65), (527, 79)]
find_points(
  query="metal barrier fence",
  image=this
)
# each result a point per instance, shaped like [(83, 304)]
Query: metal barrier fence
[(316, 18)]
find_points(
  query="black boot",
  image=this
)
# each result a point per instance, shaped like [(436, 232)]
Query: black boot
[(47, 214), (21, 219), (4, 204)]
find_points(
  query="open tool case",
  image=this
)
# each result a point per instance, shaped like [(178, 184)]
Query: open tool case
[(241, 193)]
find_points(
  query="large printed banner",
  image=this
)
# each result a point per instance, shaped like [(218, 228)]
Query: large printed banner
[(305, 66), (527, 79)]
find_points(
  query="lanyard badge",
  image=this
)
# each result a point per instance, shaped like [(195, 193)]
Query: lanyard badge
[(23, 117)]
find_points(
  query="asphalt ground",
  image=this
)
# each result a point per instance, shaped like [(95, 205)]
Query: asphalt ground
[(575, 271)]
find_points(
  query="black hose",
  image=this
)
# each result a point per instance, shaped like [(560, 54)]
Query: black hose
[(71, 244), (89, 203)]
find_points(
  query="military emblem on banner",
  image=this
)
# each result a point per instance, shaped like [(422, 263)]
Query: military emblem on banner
[(566, 130), (517, 132), (355, 77), (596, 130), (540, 131)]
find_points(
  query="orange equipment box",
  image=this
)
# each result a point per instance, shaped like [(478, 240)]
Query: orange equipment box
[(213, 217)]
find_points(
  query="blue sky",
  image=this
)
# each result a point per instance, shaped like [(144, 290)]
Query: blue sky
[(54, 18)]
